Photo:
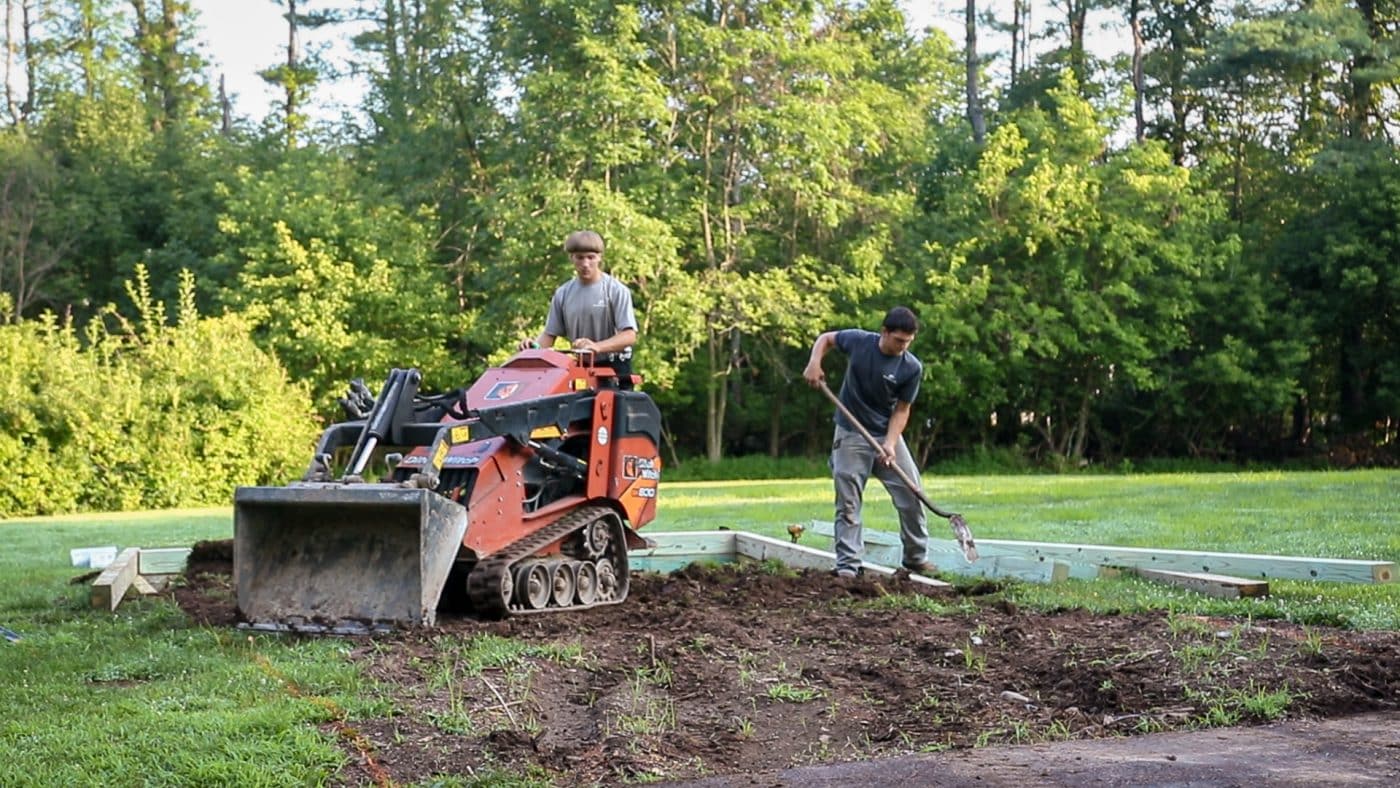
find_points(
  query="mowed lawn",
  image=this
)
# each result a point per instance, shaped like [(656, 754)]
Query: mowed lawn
[(1333, 515), (143, 697)]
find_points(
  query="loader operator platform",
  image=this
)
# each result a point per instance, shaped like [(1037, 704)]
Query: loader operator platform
[(593, 311)]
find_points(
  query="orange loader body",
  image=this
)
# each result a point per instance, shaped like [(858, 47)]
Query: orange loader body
[(521, 494)]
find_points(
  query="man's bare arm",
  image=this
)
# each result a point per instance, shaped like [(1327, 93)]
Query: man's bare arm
[(813, 374), (622, 340), (899, 419), (545, 340)]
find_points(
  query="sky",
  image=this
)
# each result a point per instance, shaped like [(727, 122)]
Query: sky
[(244, 36)]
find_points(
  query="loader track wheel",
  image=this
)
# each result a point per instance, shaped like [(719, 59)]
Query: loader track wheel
[(536, 586), (517, 579), (490, 590), (506, 589), (607, 580), (587, 583), (564, 582)]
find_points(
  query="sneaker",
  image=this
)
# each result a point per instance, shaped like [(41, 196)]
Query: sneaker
[(922, 568), (846, 574)]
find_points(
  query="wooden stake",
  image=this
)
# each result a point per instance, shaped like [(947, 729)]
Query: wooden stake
[(110, 586)]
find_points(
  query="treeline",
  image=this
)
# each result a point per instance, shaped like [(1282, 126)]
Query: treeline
[(1188, 249)]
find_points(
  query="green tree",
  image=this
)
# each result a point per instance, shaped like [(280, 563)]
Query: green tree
[(1175, 32), (31, 244), (1342, 260), (793, 124), (336, 278), (298, 75), (167, 64), (1063, 273), (142, 413)]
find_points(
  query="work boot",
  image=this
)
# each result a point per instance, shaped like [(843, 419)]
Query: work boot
[(922, 568)]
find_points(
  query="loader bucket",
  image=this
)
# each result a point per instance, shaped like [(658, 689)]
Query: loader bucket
[(342, 557)]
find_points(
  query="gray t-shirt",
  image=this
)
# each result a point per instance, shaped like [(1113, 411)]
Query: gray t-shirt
[(595, 311), (874, 381)]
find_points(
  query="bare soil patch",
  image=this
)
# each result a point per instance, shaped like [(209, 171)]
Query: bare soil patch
[(739, 670)]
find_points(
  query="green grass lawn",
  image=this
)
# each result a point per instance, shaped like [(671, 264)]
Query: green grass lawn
[(1327, 514), (142, 697)]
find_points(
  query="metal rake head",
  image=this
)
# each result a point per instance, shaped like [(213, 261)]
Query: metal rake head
[(964, 534)]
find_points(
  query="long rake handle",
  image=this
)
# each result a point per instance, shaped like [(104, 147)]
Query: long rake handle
[(960, 529), (874, 444)]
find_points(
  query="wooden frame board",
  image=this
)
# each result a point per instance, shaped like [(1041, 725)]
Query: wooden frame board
[(885, 548), (110, 586), (1222, 586), (1088, 560), (163, 560), (675, 549)]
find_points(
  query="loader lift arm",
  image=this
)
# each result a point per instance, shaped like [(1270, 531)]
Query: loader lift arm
[(391, 422)]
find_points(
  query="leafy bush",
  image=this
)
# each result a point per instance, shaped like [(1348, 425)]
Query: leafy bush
[(141, 414)]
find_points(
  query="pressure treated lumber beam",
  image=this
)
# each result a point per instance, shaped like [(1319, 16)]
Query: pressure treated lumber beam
[(163, 560), (1276, 567), (674, 550), (884, 547), (763, 548), (951, 559), (1222, 586), (110, 586)]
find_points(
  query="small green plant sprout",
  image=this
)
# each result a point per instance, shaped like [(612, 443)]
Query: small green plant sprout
[(988, 736), (1149, 724), (1193, 658), (700, 644), (1220, 715), (1185, 625), (772, 566), (1312, 642), (1263, 704), (791, 693), (972, 660), (929, 701), (649, 716)]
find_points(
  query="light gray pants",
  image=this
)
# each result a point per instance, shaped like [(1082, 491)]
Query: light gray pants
[(853, 460)]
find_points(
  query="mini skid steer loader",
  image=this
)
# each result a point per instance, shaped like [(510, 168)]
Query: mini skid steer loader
[(521, 494)]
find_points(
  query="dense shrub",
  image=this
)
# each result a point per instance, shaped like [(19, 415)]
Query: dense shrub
[(136, 414)]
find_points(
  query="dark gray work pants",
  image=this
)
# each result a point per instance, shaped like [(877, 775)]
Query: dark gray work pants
[(853, 460)]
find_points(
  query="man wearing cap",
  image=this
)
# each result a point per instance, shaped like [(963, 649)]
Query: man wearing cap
[(593, 310)]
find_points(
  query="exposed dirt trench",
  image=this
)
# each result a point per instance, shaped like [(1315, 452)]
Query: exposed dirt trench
[(722, 673)]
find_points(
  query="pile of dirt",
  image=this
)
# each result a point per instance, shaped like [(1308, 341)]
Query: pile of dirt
[(742, 669)]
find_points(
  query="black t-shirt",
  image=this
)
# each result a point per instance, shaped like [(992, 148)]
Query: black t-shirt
[(874, 381)]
